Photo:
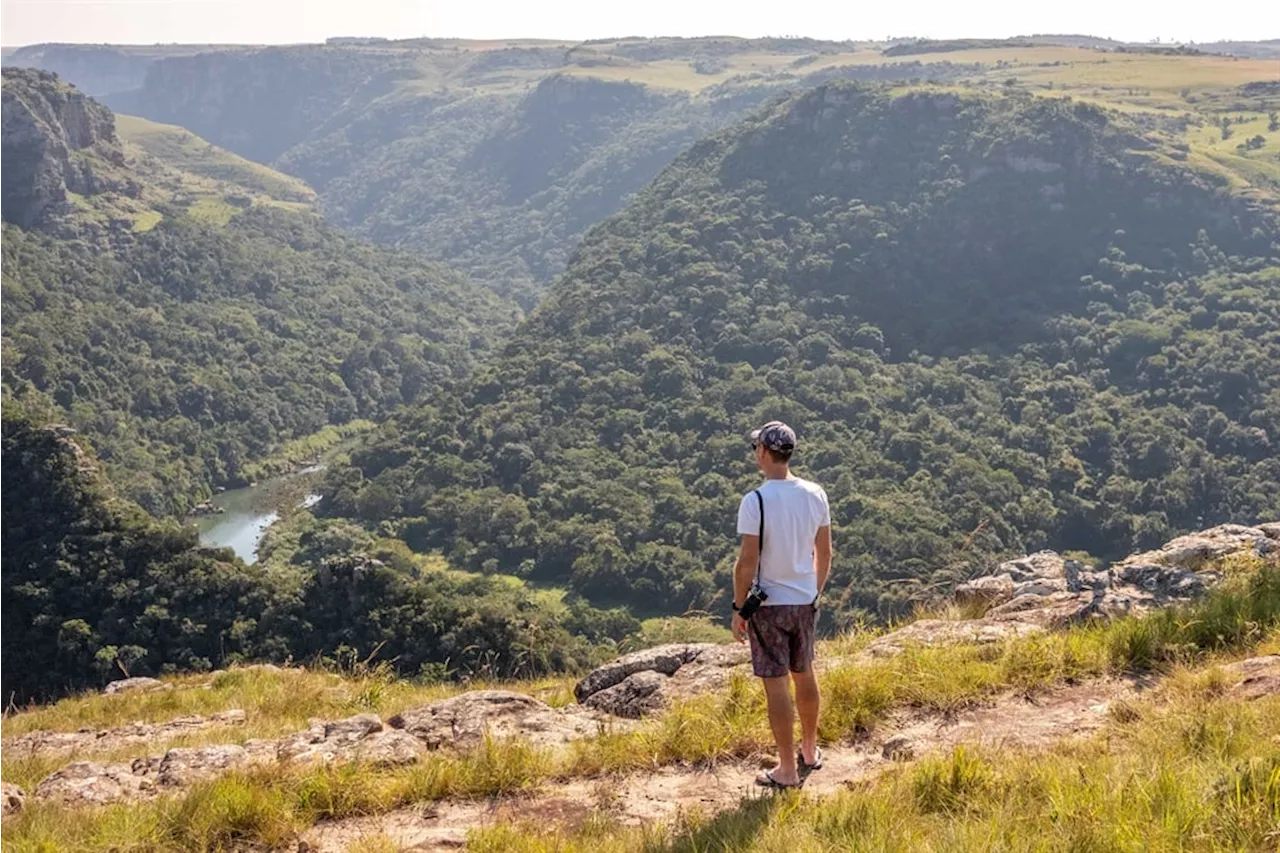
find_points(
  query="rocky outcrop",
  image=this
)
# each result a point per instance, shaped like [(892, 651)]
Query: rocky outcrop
[(646, 681), (12, 798), (135, 685), (88, 740), (362, 738), (1050, 591), (465, 720), (56, 141)]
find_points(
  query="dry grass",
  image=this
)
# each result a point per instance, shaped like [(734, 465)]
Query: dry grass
[(272, 804), (1191, 771)]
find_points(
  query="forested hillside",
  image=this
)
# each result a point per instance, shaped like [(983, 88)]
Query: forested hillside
[(93, 588), (497, 156), (999, 323), (187, 325), (493, 160)]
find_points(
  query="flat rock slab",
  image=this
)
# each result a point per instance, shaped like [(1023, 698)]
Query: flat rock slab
[(941, 632), (135, 685), (361, 738), (465, 720), (90, 783), (104, 740), (1258, 677)]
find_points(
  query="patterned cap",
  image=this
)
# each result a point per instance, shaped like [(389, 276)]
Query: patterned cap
[(776, 436)]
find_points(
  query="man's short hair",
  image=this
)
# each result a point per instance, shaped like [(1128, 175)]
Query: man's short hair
[(777, 438), (779, 455)]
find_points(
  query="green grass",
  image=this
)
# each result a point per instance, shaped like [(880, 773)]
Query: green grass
[(183, 150)]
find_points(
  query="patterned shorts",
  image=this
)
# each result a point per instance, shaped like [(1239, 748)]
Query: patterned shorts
[(787, 634)]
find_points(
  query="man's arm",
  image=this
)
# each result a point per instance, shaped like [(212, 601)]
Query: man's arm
[(744, 573), (822, 555)]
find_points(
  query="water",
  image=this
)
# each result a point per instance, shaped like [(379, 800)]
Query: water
[(248, 512)]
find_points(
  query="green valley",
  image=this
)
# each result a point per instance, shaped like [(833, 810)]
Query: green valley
[(184, 309), (1000, 323), (464, 341)]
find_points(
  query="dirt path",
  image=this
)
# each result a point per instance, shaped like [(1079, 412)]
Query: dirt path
[(1013, 720)]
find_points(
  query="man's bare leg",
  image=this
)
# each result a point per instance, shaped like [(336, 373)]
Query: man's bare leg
[(808, 701), (782, 720)]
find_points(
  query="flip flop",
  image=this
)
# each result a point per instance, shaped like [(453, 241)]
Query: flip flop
[(805, 767), (766, 780)]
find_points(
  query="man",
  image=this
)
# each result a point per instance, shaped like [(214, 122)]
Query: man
[(791, 570)]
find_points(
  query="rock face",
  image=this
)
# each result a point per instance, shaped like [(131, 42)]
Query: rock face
[(12, 798), (464, 720), (55, 141), (646, 681)]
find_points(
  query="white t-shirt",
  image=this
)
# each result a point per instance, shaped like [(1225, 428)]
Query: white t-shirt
[(793, 511)]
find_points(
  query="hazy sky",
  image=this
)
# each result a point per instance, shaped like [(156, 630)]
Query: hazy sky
[(276, 21)]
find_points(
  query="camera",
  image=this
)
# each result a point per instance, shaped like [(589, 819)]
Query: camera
[(755, 597)]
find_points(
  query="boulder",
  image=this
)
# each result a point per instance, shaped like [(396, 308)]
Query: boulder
[(464, 720), (664, 659), (1047, 610), (992, 589), (1049, 591), (88, 783), (389, 749), (646, 681), (184, 765), (12, 798), (137, 684), (88, 740), (1042, 564), (636, 695), (1194, 549), (1257, 677), (1041, 586)]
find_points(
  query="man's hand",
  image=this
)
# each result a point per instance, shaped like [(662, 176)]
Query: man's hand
[(739, 628)]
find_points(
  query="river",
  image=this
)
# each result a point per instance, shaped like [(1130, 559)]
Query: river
[(248, 512)]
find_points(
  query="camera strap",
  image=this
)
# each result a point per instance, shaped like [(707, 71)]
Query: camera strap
[(760, 553), (759, 568)]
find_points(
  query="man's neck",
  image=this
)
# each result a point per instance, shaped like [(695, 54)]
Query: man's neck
[(782, 472)]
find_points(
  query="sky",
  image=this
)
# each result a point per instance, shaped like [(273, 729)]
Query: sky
[(288, 21)]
